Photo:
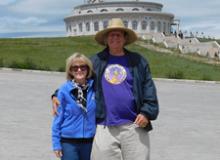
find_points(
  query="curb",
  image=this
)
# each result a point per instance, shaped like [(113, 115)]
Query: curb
[(31, 71), (186, 81), (156, 79)]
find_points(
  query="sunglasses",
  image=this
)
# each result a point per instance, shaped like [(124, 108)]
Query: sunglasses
[(81, 67)]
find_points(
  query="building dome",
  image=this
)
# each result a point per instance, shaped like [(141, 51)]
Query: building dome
[(142, 17)]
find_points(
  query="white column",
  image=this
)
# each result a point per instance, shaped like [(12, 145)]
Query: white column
[(139, 30), (100, 24), (129, 23)]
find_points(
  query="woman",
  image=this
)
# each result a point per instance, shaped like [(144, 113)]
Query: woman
[(73, 127)]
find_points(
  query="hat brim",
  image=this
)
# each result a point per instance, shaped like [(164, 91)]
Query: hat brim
[(101, 35)]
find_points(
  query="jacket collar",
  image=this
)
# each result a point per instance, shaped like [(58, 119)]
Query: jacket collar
[(71, 85), (132, 59)]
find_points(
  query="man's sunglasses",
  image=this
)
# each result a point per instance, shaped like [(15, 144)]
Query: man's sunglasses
[(76, 68)]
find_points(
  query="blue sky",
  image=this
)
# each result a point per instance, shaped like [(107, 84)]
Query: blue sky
[(37, 18)]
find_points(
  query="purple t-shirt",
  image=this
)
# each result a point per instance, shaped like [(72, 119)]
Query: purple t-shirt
[(117, 89)]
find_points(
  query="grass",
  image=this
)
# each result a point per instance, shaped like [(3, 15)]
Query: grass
[(44, 53), (51, 53), (165, 65)]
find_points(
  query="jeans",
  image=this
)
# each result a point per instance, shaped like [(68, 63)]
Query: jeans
[(77, 151)]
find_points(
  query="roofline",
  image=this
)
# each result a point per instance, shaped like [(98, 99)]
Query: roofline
[(121, 13), (119, 2)]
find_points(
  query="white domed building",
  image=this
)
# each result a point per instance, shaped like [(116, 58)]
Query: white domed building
[(143, 17)]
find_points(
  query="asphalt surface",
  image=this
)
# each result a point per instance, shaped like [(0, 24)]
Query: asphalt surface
[(188, 126)]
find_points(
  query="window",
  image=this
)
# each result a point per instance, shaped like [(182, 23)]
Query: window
[(96, 26), (125, 23), (152, 25), (134, 25), (119, 9), (144, 25), (104, 10), (80, 27), (70, 28), (135, 9), (89, 11), (105, 24), (87, 26), (164, 27), (159, 26)]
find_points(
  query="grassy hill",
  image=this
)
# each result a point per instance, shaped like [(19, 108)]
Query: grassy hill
[(50, 54)]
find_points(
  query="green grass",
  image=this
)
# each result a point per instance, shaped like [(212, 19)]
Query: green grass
[(51, 53), (45, 53), (164, 65)]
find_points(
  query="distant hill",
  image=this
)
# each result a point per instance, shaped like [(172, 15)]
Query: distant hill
[(51, 53)]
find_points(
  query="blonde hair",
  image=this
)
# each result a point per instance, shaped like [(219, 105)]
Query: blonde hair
[(74, 57)]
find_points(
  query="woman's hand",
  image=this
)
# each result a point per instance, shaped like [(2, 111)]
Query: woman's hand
[(55, 103), (58, 153)]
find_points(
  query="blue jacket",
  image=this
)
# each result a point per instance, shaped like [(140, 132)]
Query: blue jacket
[(72, 121), (144, 90)]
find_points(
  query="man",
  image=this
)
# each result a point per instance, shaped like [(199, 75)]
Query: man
[(125, 96)]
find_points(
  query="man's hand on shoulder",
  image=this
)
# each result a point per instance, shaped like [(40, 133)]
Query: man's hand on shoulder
[(55, 103)]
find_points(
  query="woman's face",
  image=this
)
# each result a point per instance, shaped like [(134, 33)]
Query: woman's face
[(79, 70), (116, 39)]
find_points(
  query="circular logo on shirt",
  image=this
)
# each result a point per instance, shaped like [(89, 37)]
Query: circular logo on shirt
[(115, 74)]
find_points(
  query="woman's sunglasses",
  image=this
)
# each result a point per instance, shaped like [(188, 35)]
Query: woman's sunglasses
[(76, 68)]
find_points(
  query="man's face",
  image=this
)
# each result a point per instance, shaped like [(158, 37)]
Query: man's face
[(116, 39)]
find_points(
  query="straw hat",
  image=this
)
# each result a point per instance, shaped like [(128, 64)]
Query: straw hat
[(115, 24)]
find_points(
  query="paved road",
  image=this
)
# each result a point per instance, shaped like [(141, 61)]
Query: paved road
[(188, 127)]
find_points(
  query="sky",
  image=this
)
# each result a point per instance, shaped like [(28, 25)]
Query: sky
[(44, 18)]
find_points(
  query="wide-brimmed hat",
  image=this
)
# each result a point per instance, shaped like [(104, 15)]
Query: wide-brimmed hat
[(115, 24)]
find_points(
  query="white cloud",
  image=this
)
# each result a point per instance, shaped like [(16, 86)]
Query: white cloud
[(14, 24), (196, 15), (209, 28), (43, 7), (34, 21), (40, 15), (34, 16), (188, 8)]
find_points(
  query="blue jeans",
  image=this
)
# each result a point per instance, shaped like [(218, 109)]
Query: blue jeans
[(77, 151)]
